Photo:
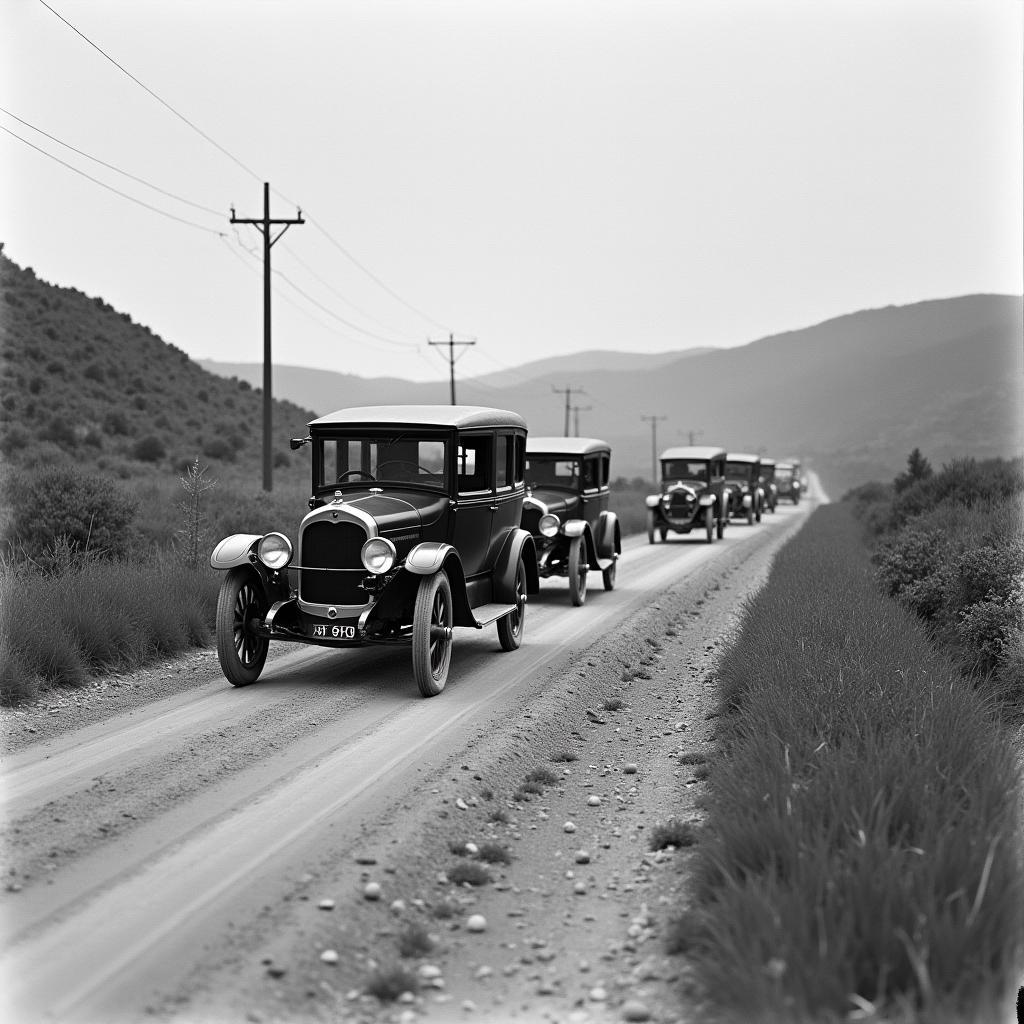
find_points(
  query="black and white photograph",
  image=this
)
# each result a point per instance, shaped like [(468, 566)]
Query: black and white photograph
[(511, 511)]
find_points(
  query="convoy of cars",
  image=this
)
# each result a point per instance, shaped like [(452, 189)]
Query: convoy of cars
[(424, 519)]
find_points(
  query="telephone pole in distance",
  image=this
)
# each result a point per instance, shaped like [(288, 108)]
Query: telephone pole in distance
[(451, 343), (567, 392), (653, 420), (264, 224), (576, 410)]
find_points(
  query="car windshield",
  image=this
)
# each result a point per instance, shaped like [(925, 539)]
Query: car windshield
[(684, 469), (740, 470), (783, 474), (400, 459), (552, 471)]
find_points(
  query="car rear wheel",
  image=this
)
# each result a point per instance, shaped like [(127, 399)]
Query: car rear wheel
[(757, 513), (750, 514), (241, 607), (578, 571), (650, 527), (510, 627), (709, 524), (663, 533), (432, 634), (720, 529), (608, 576)]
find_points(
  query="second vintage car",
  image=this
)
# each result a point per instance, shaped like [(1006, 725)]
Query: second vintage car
[(743, 475), (787, 480), (413, 529), (566, 510), (768, 485), (693, 495)]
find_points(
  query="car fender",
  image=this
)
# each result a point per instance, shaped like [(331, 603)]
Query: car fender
[(609, 535), (235, 550), (426, 558), (574, 527), (706, 501), (748, 500), (652, 500), (517, 545)]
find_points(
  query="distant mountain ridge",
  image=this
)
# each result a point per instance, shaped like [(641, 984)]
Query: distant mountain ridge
[(855, 392)]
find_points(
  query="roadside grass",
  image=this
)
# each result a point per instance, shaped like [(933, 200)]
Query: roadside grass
[(59, 628), (564, 757), (414, 940), (494, 853), (673, 833), (862, 849), (388, 983), (467, 872)]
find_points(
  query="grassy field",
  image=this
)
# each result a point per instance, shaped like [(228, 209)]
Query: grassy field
[(862, 857)]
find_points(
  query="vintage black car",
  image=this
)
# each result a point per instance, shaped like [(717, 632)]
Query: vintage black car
[(693, 494), (743, 477), (413, 529), (768, 485), (566, 510), (788, 480)]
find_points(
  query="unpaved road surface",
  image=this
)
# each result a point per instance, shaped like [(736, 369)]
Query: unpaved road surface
[(203, 856)]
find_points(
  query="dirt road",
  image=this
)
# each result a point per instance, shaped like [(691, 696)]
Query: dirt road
[(204, 856)]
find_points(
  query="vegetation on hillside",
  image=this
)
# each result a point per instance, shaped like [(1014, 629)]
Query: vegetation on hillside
[(861, 858)]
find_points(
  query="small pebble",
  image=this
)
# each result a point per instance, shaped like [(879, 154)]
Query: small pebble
[(580, 888), (397, 906), (476, 923), (371, 891), (630, 769), (634, 1010), (472, 849), (326, 904), (329, 956), (597, 995), (594, 801), (582, 857), (568, 827)]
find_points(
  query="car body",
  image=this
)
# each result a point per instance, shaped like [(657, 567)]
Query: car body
[(413, 529), (693, 495), (788, 480), (768, 485), (566, 510), (743, 477)]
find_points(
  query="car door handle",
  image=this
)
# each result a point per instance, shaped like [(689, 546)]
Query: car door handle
[(494, 508)]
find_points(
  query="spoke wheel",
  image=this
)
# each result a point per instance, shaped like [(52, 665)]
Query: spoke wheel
[(709, 524), (432, 634), (510, 627), (241, 606), (608, 576), (578, 571)]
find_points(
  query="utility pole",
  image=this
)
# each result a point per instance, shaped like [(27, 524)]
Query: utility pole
[(263, 224), (567, 392), (451, 343), (653, 420), (576, 410)]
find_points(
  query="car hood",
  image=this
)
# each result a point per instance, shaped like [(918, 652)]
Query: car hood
[(693, 486), (560, 503), (400, 511)]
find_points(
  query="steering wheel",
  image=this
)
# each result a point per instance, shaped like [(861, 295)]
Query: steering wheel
[(350, 472), (407, 462)]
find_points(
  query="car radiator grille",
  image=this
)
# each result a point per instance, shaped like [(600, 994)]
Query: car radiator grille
[(680, 506), (332, 546)]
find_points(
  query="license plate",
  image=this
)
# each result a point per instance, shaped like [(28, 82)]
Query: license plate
[(323, 631)]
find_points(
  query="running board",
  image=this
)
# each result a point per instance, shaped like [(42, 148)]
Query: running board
[(488, 613)]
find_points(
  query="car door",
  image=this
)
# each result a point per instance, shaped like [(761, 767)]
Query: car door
[(508, 504), (475, 499), (594, 493)]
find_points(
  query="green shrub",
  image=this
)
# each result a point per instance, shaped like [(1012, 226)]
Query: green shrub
[(92, 513), (149, 449)]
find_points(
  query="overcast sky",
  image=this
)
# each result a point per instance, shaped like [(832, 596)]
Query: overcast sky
[(545, 177)]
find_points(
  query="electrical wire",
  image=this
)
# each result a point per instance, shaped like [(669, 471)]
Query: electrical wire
[(110, 188), (111, 167), (162, 102)]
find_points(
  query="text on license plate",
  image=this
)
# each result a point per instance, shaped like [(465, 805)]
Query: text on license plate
[(334, 632)]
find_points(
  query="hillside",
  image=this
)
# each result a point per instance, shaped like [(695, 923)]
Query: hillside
[(855, 393), (83, 382)]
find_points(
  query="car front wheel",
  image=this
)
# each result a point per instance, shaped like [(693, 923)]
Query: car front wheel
[(709, 525), (241, 607), (432, 634), (510, 627), (578, 571), (720, 529), (650, 527), (608, 576)]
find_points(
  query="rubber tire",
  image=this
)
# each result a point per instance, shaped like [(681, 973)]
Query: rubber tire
[(709, 525), (510, 627), (663, 533), (720, 529), (578, 571), (608, 575), (750, 515), (433, 606), (240, 599), (757, 514), (650, 527)]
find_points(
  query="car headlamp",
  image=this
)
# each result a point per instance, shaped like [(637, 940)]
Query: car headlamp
[(274, 551), (549, 524), (378, 555)]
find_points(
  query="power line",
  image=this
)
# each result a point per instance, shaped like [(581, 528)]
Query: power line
[(112, 167), (159, 100), (110, 188)]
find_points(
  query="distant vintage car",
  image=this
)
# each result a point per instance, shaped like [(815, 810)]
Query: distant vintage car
[(413, 529), (788, 480), (566, 510), (743, 477), (768, 485), (693, 494)]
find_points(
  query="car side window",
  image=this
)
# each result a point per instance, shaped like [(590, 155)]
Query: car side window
[(591, 473), (475, 458), (503, 461), (519, 466), (605, 469)]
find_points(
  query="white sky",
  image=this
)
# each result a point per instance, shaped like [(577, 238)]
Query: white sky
[(543, 176)]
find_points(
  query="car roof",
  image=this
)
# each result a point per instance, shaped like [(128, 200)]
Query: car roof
[(458, 416), (765, 461), (693, 452), (784, 464), (565, 445), (742, 457)]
